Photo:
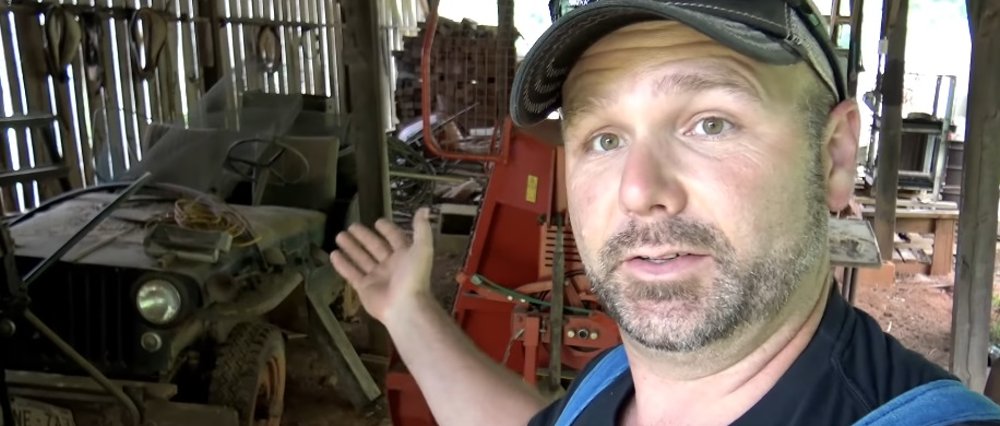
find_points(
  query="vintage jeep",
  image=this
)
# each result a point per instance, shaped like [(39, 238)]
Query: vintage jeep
[(184, 294)]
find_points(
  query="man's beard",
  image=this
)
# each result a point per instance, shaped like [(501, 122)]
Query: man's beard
[(744, 291)]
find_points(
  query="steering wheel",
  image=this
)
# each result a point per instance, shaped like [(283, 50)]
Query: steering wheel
[(264, 167)]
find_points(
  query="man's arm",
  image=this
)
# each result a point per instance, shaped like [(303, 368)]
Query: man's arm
[(461, 384)]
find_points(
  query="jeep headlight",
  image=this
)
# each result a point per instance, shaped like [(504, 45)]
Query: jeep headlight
[(158, 301)]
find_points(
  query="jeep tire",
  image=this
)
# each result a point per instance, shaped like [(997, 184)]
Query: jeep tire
[(250, 373)]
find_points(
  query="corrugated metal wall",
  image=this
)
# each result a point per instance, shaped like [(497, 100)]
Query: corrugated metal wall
[(82, 80)]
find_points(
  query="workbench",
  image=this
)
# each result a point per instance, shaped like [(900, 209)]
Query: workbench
[(932, 219)]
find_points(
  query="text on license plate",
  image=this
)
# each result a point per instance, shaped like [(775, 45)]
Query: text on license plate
[(34, 413)]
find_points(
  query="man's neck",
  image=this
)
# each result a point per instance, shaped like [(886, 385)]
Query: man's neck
[(720, 383)]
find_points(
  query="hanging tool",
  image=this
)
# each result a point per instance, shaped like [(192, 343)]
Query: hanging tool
[(148, 31), (268, 53), (62, 40), (92, 34), (61, 43)]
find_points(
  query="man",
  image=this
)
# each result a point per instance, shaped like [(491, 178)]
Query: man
[(706, 143)]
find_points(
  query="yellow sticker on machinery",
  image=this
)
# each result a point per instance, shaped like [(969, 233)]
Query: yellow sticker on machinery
[(531, 194)]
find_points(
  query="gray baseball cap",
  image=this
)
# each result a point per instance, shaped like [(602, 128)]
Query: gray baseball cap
[(778, 32)]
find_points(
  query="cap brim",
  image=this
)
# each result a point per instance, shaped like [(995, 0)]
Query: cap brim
[(537, 88)]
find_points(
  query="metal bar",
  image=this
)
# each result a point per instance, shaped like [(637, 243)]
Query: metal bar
[(941, 156), (264, 21), (347, 355), (422, 176), (890, 140), (100, 378), (556, 315)]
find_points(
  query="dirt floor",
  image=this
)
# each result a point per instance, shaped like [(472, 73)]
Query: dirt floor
[(312, 400), (917, 311)]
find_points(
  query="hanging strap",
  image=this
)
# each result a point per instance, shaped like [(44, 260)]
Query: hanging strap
[(607, 370), (942, 402)]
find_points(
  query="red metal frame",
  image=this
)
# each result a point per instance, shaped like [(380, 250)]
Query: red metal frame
[(512, 246), (426, 108)]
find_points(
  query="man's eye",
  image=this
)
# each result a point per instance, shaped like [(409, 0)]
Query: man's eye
[(605, 142), (712, 126)]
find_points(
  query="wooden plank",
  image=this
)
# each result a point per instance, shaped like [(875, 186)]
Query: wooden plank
[(914, 204), (30, 174), (919, 226), (977, 229), (303, 58), (891, 136), (80, 101), (230, 67), (315, 68), (20, 138), (127, 91), (45, 139), (141, 91), (335, 49), (908, 255), (67, 127), (944, 239), (107, 106), (213, 40), (363, 64), (911, 268), (191, 74)]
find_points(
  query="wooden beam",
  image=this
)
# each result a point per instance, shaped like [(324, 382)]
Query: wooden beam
[(365, 107), (890, 139), (978, 207)]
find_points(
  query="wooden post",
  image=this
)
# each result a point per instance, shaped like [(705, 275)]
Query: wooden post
[(887, 180), (364, 105), (210, 44), (978, 210)]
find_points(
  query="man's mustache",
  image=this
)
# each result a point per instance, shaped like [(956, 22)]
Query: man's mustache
[(675, 232)]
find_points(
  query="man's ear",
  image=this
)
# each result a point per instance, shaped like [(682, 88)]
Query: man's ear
[(840, 153)]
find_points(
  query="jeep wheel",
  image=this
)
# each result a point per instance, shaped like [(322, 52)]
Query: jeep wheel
[(249, 374)]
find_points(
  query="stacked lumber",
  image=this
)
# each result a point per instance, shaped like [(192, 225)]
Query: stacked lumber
[(914, 247), (470, 64)]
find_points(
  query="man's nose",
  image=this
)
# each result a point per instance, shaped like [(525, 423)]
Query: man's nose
[(650, 182)]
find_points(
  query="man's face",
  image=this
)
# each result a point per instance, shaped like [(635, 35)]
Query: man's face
[(697, 199)]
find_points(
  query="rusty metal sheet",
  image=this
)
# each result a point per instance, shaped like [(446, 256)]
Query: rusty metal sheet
[(853, 244)]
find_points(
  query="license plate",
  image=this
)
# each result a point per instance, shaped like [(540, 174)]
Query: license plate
[(34, 413)]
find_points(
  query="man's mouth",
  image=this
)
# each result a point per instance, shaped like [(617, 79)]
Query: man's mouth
[(664, 265), (661, 259)]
